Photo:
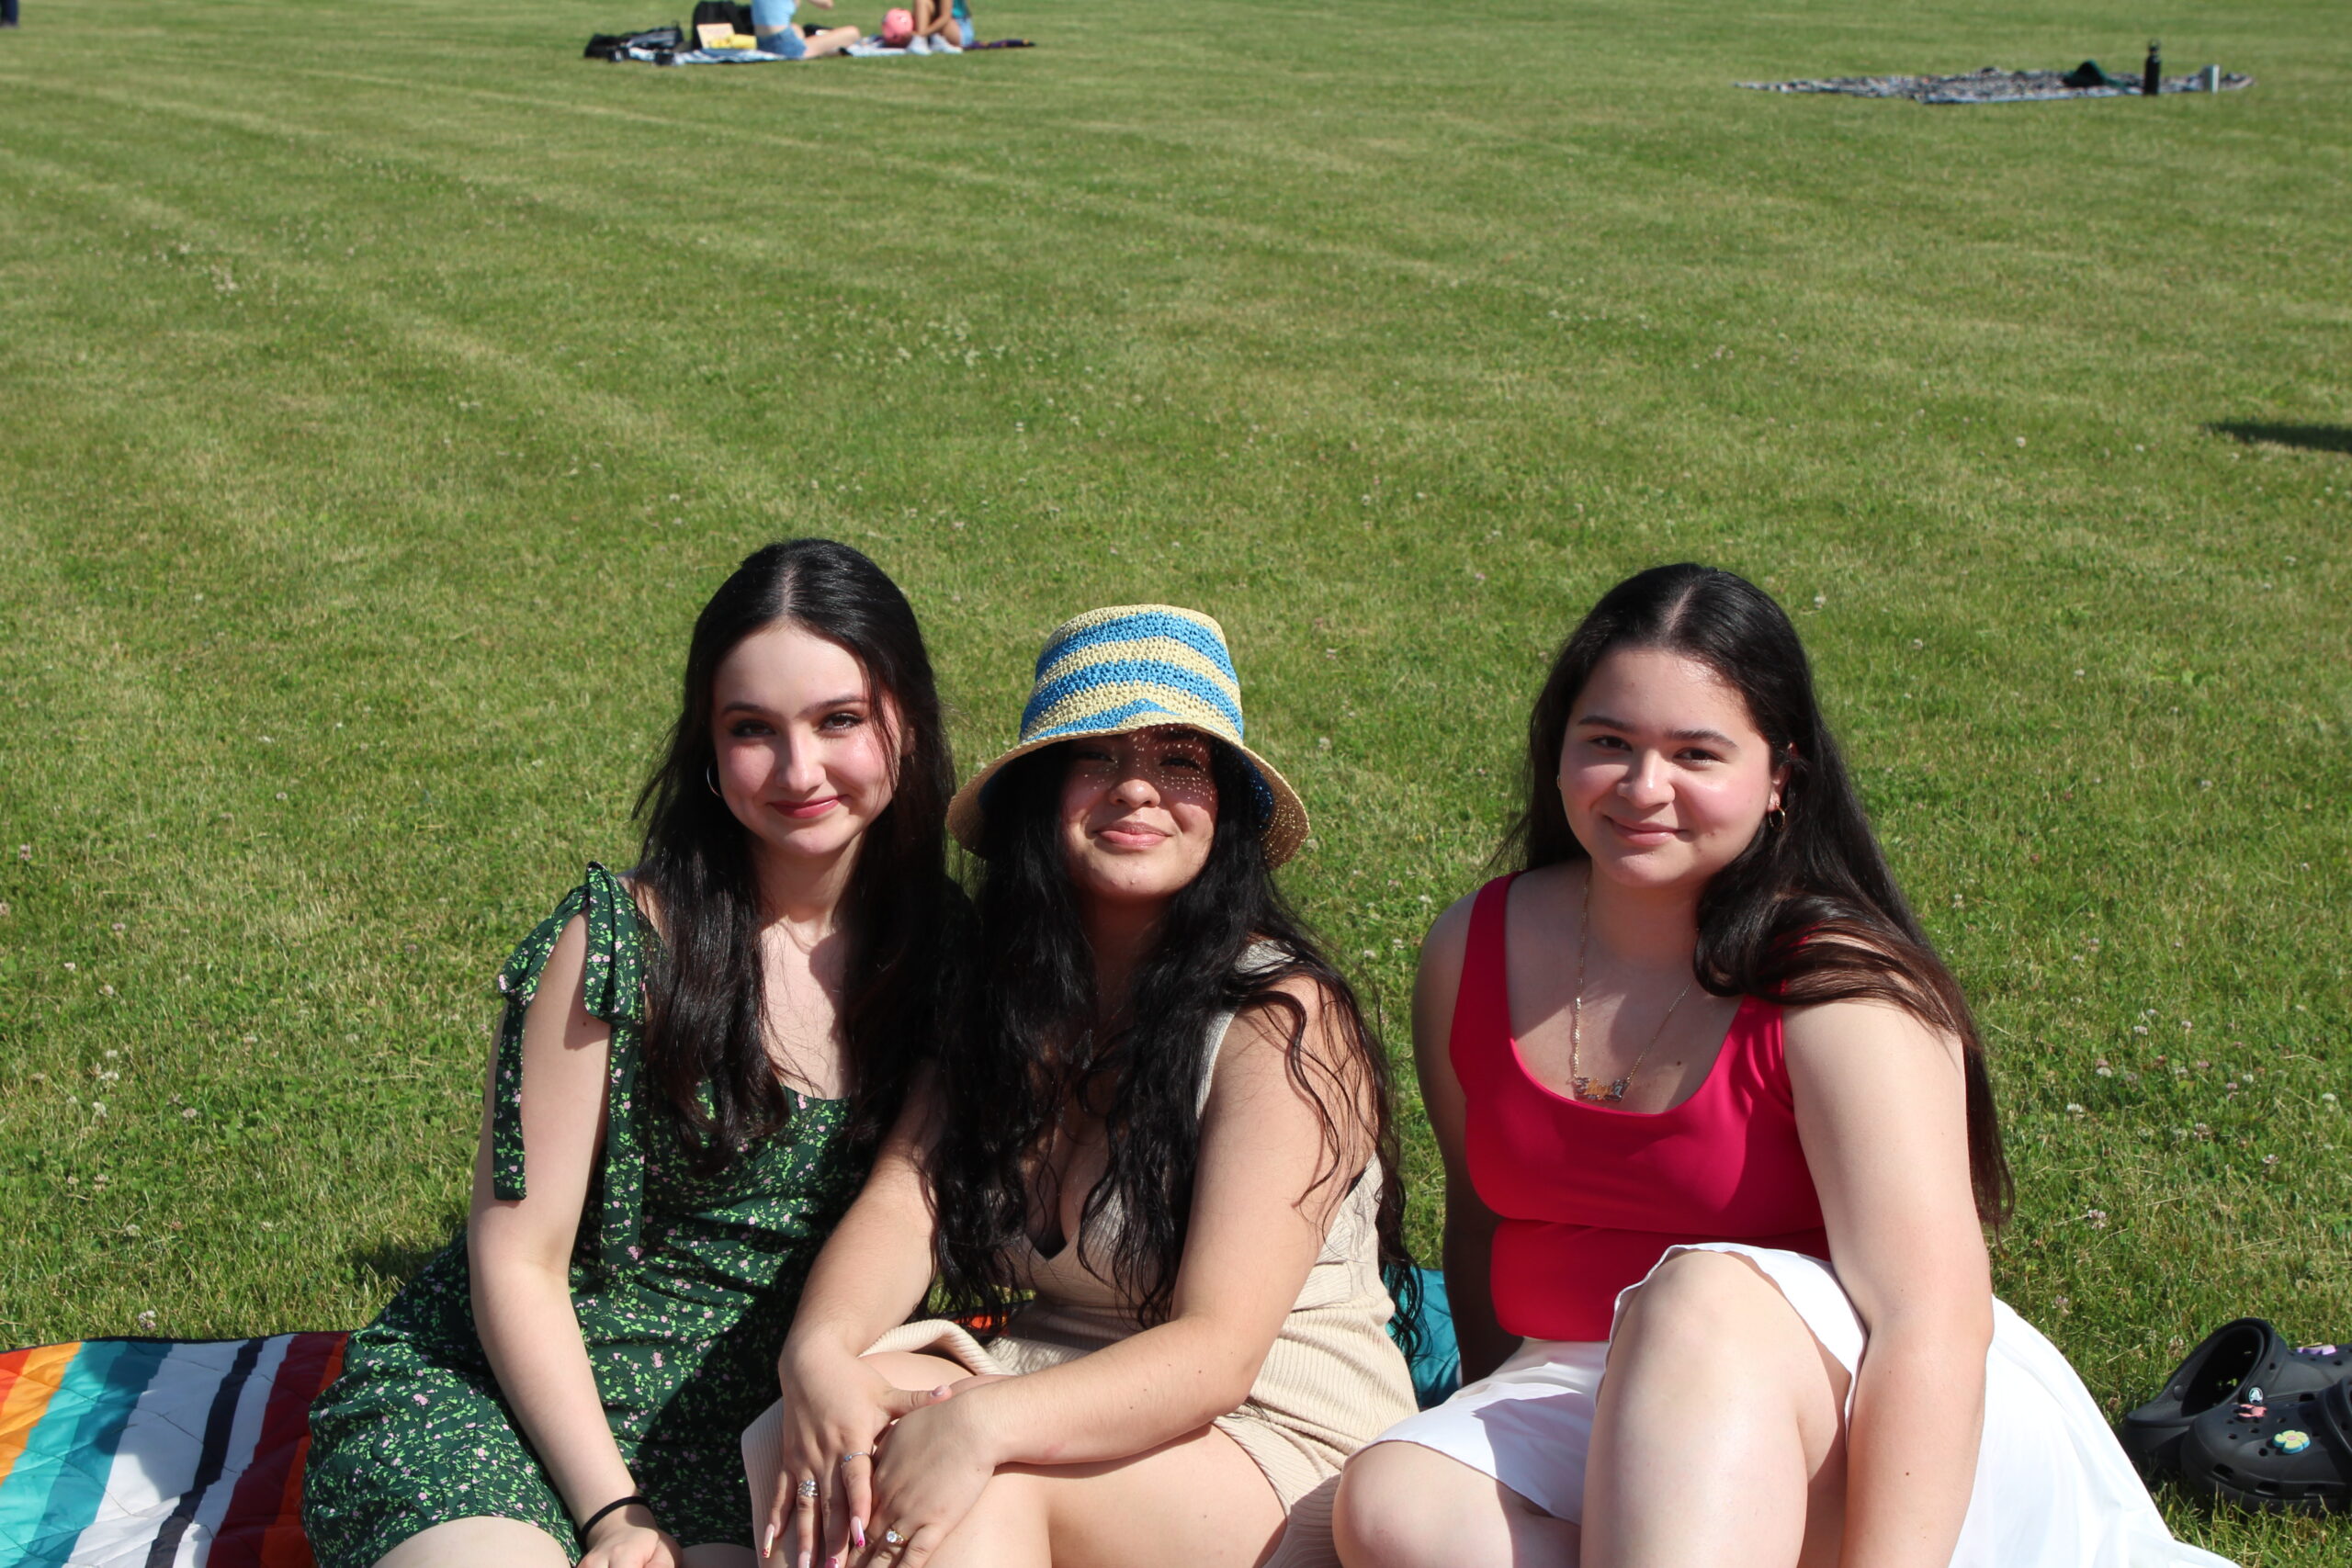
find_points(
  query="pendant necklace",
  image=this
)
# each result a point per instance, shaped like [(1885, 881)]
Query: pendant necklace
[(1578, 1082)]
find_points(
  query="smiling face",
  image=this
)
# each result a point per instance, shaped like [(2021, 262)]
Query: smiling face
[(805, 756), (1663, 775), (1138, 814)]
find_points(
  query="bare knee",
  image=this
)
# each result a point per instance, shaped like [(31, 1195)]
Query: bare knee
[(1706, 1307), (1402, 1505)]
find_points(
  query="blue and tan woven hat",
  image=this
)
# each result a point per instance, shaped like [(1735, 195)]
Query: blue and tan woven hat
[(1138, 667)]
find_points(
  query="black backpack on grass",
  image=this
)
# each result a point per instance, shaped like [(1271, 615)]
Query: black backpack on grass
[(736, 17), (616, 46)]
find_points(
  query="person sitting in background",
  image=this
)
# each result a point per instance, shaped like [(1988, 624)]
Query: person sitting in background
[(937, 30), (773, 26)]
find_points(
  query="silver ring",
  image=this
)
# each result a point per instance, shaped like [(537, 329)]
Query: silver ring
[(807, 1489), (854, 1453), (892, 1538)]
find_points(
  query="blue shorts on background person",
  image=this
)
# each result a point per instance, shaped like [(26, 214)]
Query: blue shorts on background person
[(778, 34), (772, 25)]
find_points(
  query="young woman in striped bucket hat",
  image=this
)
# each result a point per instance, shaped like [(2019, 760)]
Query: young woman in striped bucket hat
[(1156, 1153)]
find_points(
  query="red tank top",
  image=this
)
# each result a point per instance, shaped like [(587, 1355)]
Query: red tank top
[(1588, 1197)]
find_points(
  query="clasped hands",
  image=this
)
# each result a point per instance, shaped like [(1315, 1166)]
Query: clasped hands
[(872, 1475)]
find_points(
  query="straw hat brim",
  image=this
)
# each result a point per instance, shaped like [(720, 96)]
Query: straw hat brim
[(1281, 833)]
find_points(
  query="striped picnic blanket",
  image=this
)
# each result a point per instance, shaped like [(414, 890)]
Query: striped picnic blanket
[(173, 1453), (159, 1453)]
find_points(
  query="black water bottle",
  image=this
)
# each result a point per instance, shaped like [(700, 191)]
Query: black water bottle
[(2151, 74)]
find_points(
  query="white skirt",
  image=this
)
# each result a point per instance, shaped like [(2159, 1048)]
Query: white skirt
[(2053, 1489)]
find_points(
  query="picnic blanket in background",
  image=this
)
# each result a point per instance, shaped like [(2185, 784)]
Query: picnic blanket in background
[(158, 1453), (1994, 86)]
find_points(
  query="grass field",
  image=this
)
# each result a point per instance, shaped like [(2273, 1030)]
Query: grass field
[(382, 388)]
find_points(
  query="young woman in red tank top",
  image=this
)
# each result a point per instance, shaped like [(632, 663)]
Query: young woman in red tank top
[(1715, 1123)]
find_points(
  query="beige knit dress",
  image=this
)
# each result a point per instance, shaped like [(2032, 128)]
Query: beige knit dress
[(1332, 1381)]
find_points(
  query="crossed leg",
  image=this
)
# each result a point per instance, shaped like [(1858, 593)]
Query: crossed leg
[(1402, 1505), (1719, 1437), (1198, 1501)]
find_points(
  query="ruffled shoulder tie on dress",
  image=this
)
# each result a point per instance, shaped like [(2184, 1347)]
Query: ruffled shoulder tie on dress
[(613, 983)]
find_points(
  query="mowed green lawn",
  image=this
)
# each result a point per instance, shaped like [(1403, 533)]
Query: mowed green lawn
[(382, 388)]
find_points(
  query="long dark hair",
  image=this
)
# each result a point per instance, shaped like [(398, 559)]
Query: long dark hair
[(703, 1050), (1809, 911), (1025, 1046)]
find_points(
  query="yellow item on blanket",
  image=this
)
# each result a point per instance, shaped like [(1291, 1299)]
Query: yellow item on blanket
[(741, 41)]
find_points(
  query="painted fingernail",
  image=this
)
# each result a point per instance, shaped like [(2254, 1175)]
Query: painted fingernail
[(767, 1544), (857, 1533), (803, 1560)]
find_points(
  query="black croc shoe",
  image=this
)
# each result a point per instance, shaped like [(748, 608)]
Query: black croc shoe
[(2294, 1452), (2245, 1362)]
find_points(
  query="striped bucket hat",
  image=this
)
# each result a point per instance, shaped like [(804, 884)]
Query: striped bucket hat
[(1138, 667)]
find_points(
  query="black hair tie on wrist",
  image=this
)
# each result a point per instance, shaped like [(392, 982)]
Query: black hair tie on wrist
[(613, 1506)]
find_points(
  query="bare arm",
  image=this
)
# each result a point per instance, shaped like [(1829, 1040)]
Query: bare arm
[(1469, 1223), (1881, 1111), (1257, 1224), (1255, 1231), (874, 1270), (520, 1253)]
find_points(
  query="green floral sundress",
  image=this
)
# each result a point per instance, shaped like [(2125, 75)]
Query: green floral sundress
[(683, 1288)]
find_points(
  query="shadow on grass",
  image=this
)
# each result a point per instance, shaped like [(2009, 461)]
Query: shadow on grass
[(2309, 437), (394, 1261)]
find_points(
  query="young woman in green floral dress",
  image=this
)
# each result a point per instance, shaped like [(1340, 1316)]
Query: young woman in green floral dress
[(710, 1047)]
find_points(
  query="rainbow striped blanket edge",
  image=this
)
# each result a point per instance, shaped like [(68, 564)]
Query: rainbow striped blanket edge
[(159, 1453)]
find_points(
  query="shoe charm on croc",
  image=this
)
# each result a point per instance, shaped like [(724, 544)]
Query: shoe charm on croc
[(2294, 1453), (2243, 1363)]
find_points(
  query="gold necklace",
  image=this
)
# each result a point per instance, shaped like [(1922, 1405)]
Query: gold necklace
[(1581, 1084)]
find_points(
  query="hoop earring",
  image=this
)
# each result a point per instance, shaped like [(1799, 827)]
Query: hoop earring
[(710, 777), (1776, 818)]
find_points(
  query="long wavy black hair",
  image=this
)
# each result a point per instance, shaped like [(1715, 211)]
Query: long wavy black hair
[(703, 1050), (1025, 1045), (1809, 911)]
